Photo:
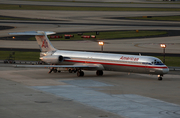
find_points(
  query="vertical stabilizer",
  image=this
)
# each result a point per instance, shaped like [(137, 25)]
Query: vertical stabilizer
[(44, 43), (42, 39)]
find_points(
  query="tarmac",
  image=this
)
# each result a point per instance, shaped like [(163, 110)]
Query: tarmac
[(35, 93)]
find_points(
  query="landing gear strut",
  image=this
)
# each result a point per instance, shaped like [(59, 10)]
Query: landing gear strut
[(160, 77), (99, 72), (80, 73), (53, 69)]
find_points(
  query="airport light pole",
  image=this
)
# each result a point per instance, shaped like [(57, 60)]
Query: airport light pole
[(163, 46), (101, 44)]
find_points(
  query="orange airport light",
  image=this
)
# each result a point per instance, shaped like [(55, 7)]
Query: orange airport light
[(163, 45), (101, 43)]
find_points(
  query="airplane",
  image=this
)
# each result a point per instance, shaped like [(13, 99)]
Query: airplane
[(77, 61)]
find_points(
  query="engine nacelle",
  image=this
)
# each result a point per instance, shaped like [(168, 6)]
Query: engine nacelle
[(53, 59)]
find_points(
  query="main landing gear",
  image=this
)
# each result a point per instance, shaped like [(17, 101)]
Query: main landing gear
[(54, 70), (160, 77), (80, 73), (72, 70)]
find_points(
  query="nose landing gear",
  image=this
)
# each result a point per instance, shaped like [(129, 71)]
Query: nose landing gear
[(160, 77)]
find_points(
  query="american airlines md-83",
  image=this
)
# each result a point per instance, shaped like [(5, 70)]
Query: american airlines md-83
[(76, 61)]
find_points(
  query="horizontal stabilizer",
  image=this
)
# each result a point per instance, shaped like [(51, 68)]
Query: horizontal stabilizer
[(36, 33), (42, 39)]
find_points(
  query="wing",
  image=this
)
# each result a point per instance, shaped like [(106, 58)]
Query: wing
[(77, 66)]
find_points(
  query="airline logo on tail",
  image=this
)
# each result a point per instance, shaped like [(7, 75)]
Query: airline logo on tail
[(44, 44)]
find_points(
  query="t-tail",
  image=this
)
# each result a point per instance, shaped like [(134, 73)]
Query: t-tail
[(42, 39)]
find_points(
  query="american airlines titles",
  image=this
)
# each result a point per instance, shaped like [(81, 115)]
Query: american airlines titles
[(129, 58)]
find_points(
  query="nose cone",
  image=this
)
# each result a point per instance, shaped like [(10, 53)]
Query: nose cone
[(165, 70)]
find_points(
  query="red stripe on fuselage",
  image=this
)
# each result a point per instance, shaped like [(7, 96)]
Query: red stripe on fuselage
[(116, 64)]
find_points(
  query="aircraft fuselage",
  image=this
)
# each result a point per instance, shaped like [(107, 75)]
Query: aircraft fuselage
[(115, 62)]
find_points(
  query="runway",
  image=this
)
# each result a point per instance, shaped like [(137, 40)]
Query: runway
[(123, 45), (77, 21), (95, 3), (35, 93)]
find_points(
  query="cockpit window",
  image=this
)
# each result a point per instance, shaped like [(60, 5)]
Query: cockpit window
[(157, 62)]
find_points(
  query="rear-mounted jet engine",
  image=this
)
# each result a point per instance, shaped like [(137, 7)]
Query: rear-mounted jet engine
[(53, 59)]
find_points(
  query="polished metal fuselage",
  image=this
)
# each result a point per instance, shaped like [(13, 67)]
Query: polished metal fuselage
[(115, 62)]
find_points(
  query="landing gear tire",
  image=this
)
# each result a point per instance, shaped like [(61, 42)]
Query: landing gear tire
[(159, 78), (80, 73), (99, 72), (55, 70), (70, 70)]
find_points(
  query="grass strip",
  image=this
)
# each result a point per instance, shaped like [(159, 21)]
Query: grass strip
[(37, 7), (19, 55), (14, 18), (128, 34), (171, 61), (109, 35), (162, 18)]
